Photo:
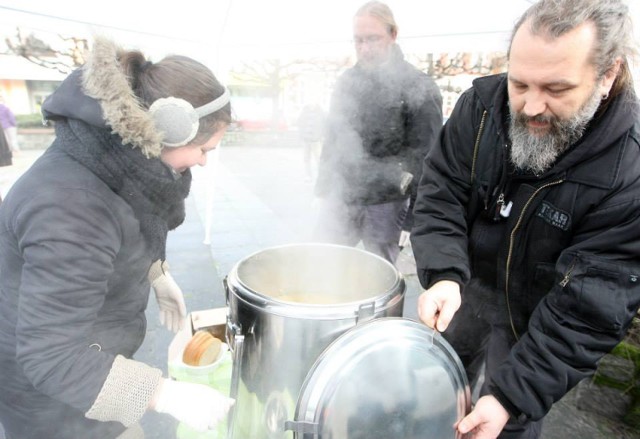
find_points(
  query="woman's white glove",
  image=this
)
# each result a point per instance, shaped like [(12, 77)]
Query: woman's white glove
[(404, 240), (173, 311), (198, 405)]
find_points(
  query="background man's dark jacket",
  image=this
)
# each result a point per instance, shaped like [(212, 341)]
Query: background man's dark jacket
[(381, 122)]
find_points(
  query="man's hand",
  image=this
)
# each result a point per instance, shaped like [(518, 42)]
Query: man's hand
[(438, 304), (486, 420)]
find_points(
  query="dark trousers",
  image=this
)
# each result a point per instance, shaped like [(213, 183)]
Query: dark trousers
[(378, 226), (482, 348)]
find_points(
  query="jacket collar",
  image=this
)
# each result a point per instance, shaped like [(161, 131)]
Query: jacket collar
[(99, 94), (602, 134)]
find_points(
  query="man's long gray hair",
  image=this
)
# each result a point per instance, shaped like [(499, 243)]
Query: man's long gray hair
[(613, 24)]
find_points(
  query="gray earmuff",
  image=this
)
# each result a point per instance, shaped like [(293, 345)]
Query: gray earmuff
[(178, 121)]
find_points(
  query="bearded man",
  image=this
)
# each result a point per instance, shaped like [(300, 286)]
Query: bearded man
[(527, 219)]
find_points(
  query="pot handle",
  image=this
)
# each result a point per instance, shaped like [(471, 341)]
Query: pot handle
[(366, 311), (225, 284), (235, 340)]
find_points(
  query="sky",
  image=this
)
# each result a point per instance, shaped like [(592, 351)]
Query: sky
[(221, 31)]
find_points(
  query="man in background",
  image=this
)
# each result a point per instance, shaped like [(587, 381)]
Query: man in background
[(5, 156), (9, 125), (311, 126), (383, 118)]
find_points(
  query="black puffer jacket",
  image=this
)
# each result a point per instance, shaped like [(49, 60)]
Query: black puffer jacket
[(382, 121), (74, 265), (74, 274), (563, 269)]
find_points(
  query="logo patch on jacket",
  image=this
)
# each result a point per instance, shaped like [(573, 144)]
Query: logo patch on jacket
[(554, 216)]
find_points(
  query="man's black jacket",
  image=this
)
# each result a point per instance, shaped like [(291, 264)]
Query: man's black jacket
[(563, 269)]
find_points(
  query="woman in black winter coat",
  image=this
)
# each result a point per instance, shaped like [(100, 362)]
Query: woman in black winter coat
[(82, 240)]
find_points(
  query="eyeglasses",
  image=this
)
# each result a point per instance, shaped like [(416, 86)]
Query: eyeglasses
[(369, 39)]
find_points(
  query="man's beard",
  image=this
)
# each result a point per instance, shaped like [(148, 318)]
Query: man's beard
[(537, 153)]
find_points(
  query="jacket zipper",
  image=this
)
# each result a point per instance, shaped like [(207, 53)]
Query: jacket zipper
[(511, 244), (567, 276), (499, 205), (477, 146)]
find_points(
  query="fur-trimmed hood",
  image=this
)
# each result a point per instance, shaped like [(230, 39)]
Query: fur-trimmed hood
[(99, 94)]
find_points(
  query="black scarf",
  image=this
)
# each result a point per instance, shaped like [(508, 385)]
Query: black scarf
[(148, 185)]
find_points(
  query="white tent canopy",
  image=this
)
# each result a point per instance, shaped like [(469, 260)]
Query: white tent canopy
[(222, 33), (223, 30)]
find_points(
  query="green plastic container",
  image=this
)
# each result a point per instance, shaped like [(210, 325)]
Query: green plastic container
[(216, 375)]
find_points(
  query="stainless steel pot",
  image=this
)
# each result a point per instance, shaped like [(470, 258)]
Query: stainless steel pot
[(286, 305)]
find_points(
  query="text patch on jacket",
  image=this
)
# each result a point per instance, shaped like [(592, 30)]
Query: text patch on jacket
[(554, 216)]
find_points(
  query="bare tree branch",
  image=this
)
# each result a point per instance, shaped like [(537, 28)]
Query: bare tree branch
[(40, 53), (448, 64), (274, 75)]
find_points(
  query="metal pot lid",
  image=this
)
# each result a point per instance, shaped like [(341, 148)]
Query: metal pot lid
[(384, 379)]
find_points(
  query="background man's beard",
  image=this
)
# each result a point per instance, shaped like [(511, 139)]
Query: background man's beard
[(537, 153)]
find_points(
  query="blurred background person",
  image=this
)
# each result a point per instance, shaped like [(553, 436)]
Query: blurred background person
[(311, 126), (5, 153), (383, 118), (9, 125), (83, 243)]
